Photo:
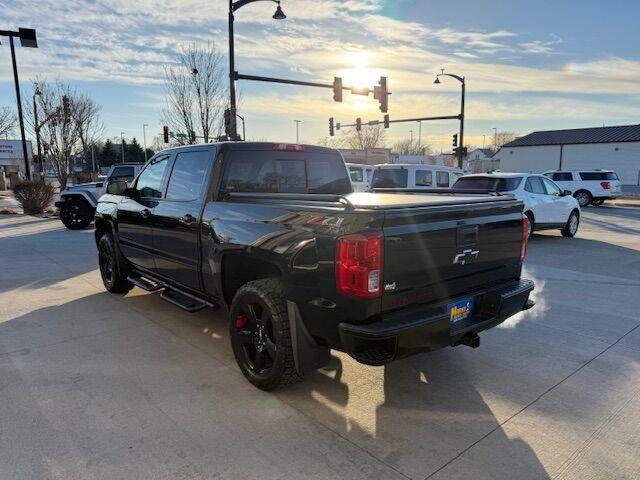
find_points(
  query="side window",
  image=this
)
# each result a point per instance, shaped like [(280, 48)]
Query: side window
[(550, 187), (442, 179), (188, 175), (534, 185), (149, 183), (356, 174), (591, 176), (122, 173), (562, 177), (424, 178)]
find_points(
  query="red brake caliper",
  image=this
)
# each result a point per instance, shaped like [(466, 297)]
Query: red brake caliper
[(241, 320)]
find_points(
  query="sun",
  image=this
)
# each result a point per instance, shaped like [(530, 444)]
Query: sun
[(358, 72)]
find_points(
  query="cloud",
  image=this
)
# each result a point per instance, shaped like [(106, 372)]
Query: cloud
[(541, 47)]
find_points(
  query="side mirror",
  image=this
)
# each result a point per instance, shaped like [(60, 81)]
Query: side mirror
[(116, 187), (566, 193)]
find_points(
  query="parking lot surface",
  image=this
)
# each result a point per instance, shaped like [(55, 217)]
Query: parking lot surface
[(100, 386)]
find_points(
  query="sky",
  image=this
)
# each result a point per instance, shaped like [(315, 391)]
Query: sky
[(528, 65)]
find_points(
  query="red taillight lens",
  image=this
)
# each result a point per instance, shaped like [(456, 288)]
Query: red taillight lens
[(606, 185), (359, 265), (525, 238)]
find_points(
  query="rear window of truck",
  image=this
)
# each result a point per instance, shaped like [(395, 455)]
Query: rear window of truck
[(389, 178), (489, 184), (285, 172)]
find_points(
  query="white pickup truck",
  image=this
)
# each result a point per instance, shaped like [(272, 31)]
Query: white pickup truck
[(77, 203)]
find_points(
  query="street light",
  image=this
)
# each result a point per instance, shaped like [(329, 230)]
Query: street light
[(297, 122), (233, 6), (244, 131), (461, 138), (28, 39), (37, 92)]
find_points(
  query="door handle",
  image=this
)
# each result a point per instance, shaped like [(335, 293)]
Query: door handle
[(146, 213), (187, 219)]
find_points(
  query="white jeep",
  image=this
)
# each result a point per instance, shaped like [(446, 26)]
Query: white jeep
[(78, 202)]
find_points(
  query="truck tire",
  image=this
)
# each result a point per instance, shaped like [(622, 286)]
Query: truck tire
[(114, 279), (76, 214), (571, 228), (583, 197), (260, 335)]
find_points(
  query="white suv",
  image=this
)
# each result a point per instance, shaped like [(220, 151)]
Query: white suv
[(588, 186), (546, 205)]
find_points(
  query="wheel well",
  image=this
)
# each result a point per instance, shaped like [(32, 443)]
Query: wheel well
[(582, 190), (239, 269), (530, 214), (80, 198), (101, 227)]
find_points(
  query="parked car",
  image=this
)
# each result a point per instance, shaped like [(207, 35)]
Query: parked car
[(360, 176), (415, 176), (546, 205), (588, 186), (274, 234), (77, 203)]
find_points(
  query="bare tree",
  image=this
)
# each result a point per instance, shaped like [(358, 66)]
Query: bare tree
[(503, 137), (8, 122), (411, 147), (196, 94), (68, 122), (371, 136)]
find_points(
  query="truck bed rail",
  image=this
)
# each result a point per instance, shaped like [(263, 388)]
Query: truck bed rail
[(314, 197)]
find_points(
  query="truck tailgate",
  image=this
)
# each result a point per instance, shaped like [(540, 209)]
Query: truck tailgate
[(441, 251)]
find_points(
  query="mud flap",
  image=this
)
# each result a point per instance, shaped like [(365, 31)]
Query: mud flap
[(308, 355)]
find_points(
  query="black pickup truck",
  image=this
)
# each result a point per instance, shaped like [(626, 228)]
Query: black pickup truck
[(274, 234)]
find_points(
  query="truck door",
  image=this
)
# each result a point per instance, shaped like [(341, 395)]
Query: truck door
[(134, 214), (176, 218)]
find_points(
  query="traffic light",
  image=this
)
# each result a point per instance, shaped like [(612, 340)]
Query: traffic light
[(381, 93), (331, 128), (337, 89), (165, 134), (386, 121), (358, 124), (455, 140)]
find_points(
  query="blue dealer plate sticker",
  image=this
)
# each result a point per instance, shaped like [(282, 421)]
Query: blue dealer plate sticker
[(460, 310)]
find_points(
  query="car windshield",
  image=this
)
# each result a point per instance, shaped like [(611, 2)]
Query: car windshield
[(389, 178), (490, 184)]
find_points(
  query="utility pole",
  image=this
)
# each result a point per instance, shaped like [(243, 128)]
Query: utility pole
[(495, 138), (411, 133), (144, 140), (298, 122), (419, 133), (122, 145)]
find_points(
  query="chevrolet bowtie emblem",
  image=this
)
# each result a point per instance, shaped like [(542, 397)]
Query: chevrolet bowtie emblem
[(467, 256)]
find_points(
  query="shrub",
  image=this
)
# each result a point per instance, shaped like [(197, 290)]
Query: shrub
[(34, 197)]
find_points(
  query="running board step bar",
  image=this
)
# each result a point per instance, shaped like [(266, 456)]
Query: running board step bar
[(184, 301), (145, 284)]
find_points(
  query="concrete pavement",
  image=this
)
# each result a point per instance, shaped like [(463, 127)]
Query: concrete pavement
[(94, 385)]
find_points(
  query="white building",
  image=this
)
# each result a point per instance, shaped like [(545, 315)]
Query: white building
[(11, 159), (368, 156), (480, 160), (614, 148)]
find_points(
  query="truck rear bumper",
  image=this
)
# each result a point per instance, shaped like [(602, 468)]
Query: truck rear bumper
[(427, 328)]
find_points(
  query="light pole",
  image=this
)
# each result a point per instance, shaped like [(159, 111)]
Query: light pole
[(122, 145), (419, 133), (495, 137), (144, 140), (411, 133), (36, 123), (297, 122), (27, 39), (244, 132), (233, 6), (461, 137)]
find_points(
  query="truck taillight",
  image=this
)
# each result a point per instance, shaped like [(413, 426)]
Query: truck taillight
[(525, 238), (606, 185), (359, 265), (288, 147)]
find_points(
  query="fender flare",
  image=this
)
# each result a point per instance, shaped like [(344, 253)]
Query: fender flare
[(84, 194)]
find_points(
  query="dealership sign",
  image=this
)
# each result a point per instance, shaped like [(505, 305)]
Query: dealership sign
[(12, 149)]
